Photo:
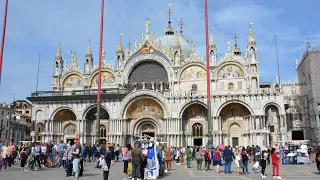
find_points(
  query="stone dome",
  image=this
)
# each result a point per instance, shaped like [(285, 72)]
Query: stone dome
[(169, 40)]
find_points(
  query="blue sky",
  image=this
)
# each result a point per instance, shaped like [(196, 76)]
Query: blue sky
[(36, 26)]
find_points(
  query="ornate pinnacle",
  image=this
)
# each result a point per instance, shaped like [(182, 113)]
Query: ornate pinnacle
[(89, 51), (58, 54), (251, 38), (120, 49)]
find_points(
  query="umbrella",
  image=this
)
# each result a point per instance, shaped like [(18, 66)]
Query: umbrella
[(221, 146)]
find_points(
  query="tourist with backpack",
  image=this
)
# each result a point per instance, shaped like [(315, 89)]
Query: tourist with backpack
[(207, 159), (217, 155), (199, 158)]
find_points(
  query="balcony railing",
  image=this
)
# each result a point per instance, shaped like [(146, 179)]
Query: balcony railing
[(78, 92), (223, 93)]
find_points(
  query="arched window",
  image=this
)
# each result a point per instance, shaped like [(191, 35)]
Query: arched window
[(194, 87), (103, 131), (230, 86), (197, 130)]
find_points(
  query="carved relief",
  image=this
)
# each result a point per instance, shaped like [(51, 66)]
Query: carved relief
[(73, 81), (230, 71), (145, 107), (193, 72), (106, 78)]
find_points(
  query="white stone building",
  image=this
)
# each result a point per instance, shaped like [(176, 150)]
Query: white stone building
[(159, 89)]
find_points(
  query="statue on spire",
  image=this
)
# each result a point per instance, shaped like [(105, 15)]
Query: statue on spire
[(228, 44), (103, 54), (142, 37), (74, 57), (147, 23)]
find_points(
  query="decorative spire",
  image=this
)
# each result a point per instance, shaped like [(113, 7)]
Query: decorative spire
[(58, 54), (103, 54), (89, 51), (251, 38), (181, 24), (212, 43), (120, 49), (169, 30), (177, 42)]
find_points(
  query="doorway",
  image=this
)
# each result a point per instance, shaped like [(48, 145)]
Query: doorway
[(197, 141), (235, 141), (71, 140), (297, 135), (151, 134)]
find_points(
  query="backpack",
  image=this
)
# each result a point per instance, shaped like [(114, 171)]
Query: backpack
[(206, 156), (27, 152)]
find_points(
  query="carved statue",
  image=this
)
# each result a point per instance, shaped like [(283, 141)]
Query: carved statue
[(74, 57), (228, 44), (136, 46), (153, 36), (103, 54), (147, 26), (142, 37), (193, 46), (127, 52)]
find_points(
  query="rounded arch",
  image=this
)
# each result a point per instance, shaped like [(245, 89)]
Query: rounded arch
[(140, 122), (136, 60), (195, 67), (143, 105), (72, 79), (103, 131), (57, 110), (271, 103), (146, 93), (107, 77), (38, 115), (197, 130), (93, 107), (231, 64), (190, 103), (241, 102), (235, 128)]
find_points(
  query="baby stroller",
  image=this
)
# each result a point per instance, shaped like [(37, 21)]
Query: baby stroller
[(255, 167)]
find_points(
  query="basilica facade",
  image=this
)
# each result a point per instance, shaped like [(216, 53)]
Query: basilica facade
[(158, 88)]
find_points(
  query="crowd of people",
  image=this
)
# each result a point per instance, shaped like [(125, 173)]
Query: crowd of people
[(71, 157)]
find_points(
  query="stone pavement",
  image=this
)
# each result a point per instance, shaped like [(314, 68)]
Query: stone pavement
[(304, 172)]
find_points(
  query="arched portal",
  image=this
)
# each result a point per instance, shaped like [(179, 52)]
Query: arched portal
[(232, 116), (272, 117), (64, 122), (90, 117), (195, 114)]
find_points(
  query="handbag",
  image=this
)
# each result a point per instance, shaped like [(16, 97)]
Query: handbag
[(105, 168)]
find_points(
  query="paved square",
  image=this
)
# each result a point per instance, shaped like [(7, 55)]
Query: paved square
[(304, 172)]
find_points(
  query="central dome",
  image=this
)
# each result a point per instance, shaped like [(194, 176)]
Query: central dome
[(169, 40)]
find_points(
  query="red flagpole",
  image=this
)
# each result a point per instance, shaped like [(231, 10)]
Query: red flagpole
[(209, 118), (99, 74), (3, 35)]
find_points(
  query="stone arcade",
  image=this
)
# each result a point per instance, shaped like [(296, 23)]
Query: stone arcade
[(158, 89)]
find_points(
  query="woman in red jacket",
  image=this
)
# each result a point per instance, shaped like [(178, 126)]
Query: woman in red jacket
[(275, 163)]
